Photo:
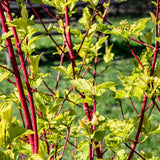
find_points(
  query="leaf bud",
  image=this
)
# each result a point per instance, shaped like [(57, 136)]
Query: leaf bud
[(81, 123), (94, 120)]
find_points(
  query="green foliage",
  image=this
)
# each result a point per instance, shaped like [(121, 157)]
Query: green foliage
[(4, 73), (54, 126)]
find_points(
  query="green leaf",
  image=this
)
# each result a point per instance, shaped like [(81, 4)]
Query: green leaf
[(37, 1), (4, 73), (77, 33), (61, 69), (82, 144), (34, 63), (86, 18), (148, 38), (121, 94), (100, 89), (122, 128), (42, 101), (7, 155), (146, 125), (155, 130), (86, 100), (31, 43), (100, 42), (139, 25), (6, 111), (98, 135), (14, 132), (35, 157), (83, 148), (106, 85), (42, 150), (158, 39), (108, 57), (112, 140), (102, 28), (121, 155), (147, 156), (36, 81), (21, 22), (24, 13), (84, 85), (6, 34), (153, 17)]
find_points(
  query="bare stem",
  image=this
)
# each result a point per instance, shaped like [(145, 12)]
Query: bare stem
[(139, 128), (133, 106), (156, 42), (17, 77), (135, 55), (7, 8), (67, 136), (120, 103), (49, 13), (7, 69)]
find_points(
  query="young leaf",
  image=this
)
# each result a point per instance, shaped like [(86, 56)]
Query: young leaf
[(34, 63), (153, 17), (100, 42), (86, 18), (108, 57), (24, 13), (112, 140), (121, 155), (139, 26)]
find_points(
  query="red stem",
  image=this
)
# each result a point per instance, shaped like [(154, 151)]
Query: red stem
[(30, 96), (20, 111), (44, 132), (86, 69), (63, 102), (134, 151), (17, 76), (139, 128), (49, 13), (7, 69), (48, 87), (145, 44), (134, 107), (135, 55), (67, 136), (9, 80), (68, 40), (157, 35), (81, 44), (59, 73)]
